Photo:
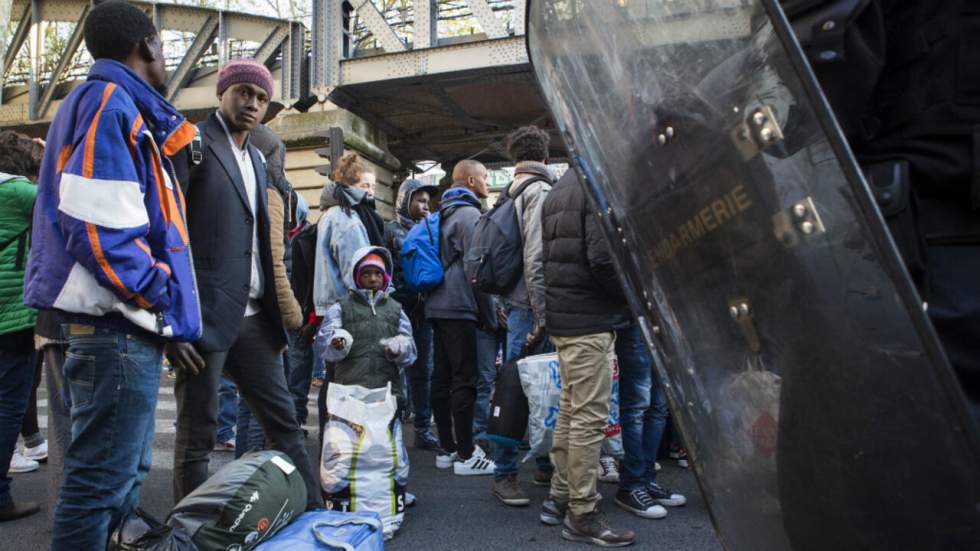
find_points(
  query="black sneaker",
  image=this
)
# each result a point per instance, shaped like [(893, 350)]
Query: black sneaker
[(664, 496), (553, 511), (592, 528), (679, 454), (639, 502), (425, 440)]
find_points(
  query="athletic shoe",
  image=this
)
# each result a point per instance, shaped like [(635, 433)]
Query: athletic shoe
[(640, 503), (592, 528), (476, 465), (607, 470), (445, 460), (508, 490), (553, 511), (410, 500), (541, 478), (664, 496), (14, 511), (678, 454), (425, 440), (656, 465), (38, 453), (21, 464), (227, 446)]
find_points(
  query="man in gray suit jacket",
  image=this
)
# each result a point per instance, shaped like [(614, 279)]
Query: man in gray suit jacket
[(228, 221)]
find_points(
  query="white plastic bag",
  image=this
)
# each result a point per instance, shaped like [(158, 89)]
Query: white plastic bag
[(541, 380), (364, 466)]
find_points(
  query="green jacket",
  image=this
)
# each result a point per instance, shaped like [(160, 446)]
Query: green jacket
[(16, 205)]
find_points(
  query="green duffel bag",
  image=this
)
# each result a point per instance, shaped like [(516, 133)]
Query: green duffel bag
[(243, 504)]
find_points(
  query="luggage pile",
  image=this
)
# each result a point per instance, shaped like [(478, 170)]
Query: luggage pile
[(256, 502)]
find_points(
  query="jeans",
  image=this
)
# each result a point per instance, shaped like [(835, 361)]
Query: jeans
[(254, 363), (227, 409), (248, 436), (301, 360), (520, 322), (113, 380), (487, 346), (585, 364), (420, 375), (16, 378), (642, 409), (454, 383)]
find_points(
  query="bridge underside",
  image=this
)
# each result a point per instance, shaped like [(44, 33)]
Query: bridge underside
[(450, 116)]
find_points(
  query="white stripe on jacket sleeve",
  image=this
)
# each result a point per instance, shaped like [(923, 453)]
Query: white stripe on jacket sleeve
[(112, 204)]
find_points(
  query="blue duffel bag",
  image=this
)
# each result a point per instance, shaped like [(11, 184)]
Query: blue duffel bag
[(324, 530)]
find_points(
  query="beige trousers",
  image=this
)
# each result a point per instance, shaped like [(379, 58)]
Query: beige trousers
[(586, 379)]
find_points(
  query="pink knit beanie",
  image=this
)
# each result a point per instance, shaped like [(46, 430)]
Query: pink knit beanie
[(249, 71)]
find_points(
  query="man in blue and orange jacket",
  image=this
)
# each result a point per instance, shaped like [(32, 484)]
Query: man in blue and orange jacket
[(111, 258)]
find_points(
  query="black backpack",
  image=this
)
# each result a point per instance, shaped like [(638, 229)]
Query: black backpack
[(303, 249), (495, 260)]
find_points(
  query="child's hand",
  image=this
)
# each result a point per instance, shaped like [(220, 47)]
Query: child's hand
[(338, 343)]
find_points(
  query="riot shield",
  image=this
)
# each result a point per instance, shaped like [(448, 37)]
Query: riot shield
[(811, 391)]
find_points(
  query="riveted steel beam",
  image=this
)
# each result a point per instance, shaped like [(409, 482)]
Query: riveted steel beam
[(520, 25), (492, 26), (74, 41), (375, 22), (18, 39), (267, 51), (485, 54), (293, 56), (326, 35), (205, 36), (426, 18)]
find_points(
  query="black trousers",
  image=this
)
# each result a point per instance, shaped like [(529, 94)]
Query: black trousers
[(953, 294), (253, 363), (59, 418), (454, 383)]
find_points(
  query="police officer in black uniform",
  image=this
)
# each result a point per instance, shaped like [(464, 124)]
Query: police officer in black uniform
[(903, 79)]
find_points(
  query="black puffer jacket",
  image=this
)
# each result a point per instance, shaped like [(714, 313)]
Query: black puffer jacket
[(583, 291)]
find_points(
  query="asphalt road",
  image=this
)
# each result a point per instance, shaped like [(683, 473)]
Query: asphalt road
[(457, 513)]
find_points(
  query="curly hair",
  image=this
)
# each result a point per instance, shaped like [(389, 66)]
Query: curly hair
[(349, 169), (20, 155), (528, 143), (112, 29)]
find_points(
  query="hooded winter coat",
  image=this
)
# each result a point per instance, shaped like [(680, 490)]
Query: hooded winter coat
[(16, 201), (339, 235), (395, 232), (365, 318), (455, 298)]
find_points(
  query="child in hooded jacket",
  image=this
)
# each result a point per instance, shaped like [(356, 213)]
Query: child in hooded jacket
[(366, 333)]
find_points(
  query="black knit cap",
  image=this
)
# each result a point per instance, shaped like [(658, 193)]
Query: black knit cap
[(114, 28)]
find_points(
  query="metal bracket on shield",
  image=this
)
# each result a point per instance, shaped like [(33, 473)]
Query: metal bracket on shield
[(800, 221), (740, 309), (757, 132)]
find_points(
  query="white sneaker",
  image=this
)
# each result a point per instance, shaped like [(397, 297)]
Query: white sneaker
[(607, 469), (656, 465), (476, 465), (21, 464), (38, 453), (445, 460)]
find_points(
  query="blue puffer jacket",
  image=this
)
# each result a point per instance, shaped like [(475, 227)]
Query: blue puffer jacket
[(109, 241)]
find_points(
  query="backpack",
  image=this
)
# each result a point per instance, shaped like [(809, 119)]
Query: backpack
[(495, 259), (303, 248), (421, 262)]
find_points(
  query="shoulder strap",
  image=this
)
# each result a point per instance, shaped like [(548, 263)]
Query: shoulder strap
[(520, 189)]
